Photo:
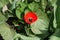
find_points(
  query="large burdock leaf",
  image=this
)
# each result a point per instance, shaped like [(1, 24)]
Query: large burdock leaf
[(22, 37), (6, 32), (41, 25), (3, 2)]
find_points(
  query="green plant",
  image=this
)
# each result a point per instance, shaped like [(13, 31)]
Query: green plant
[(30, 19)]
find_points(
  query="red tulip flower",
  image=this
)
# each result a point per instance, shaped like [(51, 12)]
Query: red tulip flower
[(30, 17)]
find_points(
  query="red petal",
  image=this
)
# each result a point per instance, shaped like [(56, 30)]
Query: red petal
[(31, 15)]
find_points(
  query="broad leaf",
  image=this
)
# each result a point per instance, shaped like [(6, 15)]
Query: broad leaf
[(6, 32), (41, 25)]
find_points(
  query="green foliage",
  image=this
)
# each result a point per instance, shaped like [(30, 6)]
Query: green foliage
[(41, 25), (46, 27)]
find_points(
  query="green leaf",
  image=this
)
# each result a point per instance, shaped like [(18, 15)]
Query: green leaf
[(6, 32), (42, 23), (18, 13), (20, 10), (56, 35), (26, 38), (3, 2), (33, 6), (39, 27), (2, 18), (22, 6)]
